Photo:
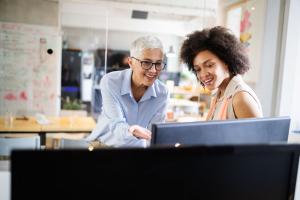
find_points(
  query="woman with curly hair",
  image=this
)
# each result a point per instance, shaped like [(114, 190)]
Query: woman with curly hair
[(219, 61)]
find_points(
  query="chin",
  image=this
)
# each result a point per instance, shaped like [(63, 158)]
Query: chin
[(210, 87), (149, 83)]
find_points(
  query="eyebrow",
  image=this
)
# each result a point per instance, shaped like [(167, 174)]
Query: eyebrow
[(203, 63), (207, 61)]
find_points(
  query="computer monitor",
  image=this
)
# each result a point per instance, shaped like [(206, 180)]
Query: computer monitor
[(219, 172), (238, 131)]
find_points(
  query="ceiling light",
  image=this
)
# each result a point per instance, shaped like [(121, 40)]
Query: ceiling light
[(171, 53)]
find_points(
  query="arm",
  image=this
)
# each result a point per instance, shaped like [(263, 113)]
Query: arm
[(115, 115), (245, 106)]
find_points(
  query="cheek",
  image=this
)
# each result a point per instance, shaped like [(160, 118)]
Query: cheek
[(215, 71), (158, 72), (138, 73)]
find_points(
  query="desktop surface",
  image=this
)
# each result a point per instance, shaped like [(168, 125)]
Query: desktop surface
[(219, 172), (222, 132)]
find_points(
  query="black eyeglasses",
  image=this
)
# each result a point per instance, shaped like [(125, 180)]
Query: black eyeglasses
[(148, 65)]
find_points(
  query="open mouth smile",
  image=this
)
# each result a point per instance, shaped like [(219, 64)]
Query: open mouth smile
[(208, 81), (150, 77)]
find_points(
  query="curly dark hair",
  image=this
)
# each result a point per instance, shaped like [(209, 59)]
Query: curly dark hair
[(221, 42)]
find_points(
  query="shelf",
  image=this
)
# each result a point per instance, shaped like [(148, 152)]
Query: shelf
[(178, 90)]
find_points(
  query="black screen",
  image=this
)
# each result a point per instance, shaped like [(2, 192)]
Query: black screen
[(250, 172)]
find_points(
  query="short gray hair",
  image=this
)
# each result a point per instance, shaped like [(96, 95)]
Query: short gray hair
[(144, 43)]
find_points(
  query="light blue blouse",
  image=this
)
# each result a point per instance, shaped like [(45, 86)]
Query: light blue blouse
[(120, 110)]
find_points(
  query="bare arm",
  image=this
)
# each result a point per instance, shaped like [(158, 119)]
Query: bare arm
[(245, 106)]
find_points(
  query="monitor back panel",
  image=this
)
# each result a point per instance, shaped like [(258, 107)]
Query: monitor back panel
[(239, 131), (227, 173)]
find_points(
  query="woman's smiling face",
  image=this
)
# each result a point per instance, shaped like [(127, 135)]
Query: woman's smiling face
[(142, 76), (211, 71)]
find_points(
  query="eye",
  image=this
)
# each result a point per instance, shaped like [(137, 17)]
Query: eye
[(210, 65)]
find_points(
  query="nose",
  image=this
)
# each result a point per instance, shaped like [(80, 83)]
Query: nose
[(152, 69), (202, 74)]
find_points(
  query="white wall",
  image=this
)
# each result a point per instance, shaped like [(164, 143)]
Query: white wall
[(264, 87)]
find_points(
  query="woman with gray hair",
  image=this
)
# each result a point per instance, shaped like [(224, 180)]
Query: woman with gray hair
[(133, 99)]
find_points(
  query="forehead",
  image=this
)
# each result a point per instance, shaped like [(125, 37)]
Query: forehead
[(203, 56), (152, 54)]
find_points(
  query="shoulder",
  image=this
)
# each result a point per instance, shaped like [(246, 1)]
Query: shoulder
[(242, 98), (113, 80), (245, 106)]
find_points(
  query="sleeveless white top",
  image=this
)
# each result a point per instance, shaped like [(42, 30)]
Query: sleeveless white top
[(231, 89)]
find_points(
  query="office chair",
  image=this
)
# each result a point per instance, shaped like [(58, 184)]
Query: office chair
[(73, 144), (7, 144)]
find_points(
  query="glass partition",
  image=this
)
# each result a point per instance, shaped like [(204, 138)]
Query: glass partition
[(55, 61), (53, 54)]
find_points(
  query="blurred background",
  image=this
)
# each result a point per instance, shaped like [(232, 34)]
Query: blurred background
[(89, 38)]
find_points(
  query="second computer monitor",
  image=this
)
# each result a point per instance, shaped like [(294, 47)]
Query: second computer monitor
[(238, 131)]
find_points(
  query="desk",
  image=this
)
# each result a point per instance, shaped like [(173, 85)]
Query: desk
[(28, 126), (61, 124)]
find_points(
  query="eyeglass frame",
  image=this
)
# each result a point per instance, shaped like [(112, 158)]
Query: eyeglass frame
[(151, 64)]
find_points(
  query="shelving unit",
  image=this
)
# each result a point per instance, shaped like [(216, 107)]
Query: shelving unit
[(178, 90)]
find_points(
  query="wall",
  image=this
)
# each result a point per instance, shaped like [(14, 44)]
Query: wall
[(264, 87), (29, 12)]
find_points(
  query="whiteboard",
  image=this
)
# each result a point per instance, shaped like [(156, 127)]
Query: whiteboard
[(28, 74)]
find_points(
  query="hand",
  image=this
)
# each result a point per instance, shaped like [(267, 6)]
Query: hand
[(140, 132)]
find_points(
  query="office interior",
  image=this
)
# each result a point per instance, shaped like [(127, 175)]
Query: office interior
[(53, 54)]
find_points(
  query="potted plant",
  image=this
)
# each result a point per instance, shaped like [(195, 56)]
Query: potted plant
[(72, 109)]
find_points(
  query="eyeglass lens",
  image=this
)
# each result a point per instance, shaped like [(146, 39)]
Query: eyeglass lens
[(158, 66)]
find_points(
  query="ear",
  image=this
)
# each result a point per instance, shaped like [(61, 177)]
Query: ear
[(226, 66), (130, 62)]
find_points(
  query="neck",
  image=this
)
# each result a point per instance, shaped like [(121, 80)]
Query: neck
[(224, 84)]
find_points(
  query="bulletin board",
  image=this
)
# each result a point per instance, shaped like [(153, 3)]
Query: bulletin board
[(28, 73)]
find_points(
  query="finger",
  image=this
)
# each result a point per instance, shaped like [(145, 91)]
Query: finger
[(131, 129), (142, 135), (147, 136)]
